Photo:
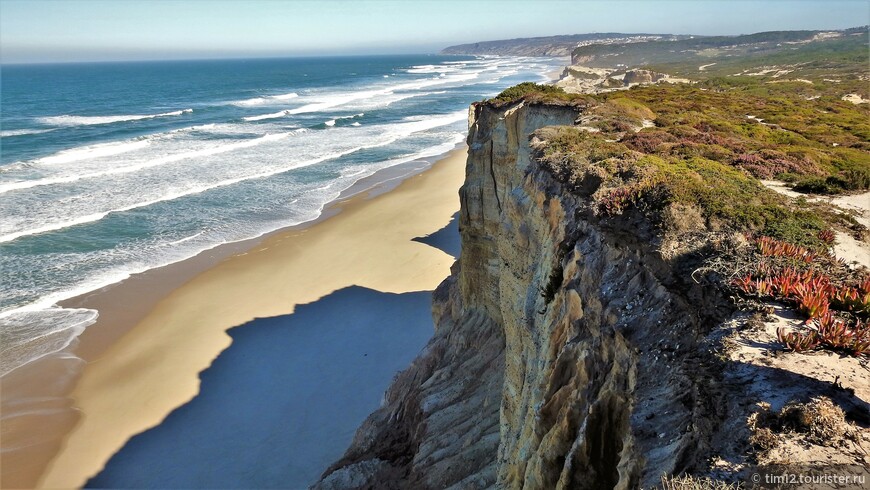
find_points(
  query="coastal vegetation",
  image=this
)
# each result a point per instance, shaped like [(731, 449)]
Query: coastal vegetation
[(703, 149), (533, 90)]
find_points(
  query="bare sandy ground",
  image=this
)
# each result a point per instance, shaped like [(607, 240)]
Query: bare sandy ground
[(781, 377), (153, 368), (858, 205)]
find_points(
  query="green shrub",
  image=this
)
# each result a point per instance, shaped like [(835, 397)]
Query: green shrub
[(527, 88), (857, 179), (816, 185)]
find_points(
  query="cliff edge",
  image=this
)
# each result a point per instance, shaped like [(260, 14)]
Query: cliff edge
[(588, 336)]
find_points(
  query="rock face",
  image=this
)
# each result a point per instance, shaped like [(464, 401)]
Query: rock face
[(641, 76), (557, 343), (569, 352)]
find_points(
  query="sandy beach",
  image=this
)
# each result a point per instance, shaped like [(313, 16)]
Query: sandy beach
[(135, 378)]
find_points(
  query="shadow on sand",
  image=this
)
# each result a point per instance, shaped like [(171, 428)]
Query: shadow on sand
[(446, 239), (283, 401)]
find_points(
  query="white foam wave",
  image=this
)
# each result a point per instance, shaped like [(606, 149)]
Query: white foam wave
[(204, 127), (197, 189), (415, 126), (28, 334), (330, 101), (424, 154), (265, 100), (11, 167), (222, 129), (185, 239), (213, 150), (443, 68), (423, 69), (408, 95), (394, 132), (332, 122), (68, 120), (22, 132), (273, 115), (353, 174), (92, 151)]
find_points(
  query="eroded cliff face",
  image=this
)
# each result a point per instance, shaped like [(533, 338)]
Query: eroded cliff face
[(566, 350)]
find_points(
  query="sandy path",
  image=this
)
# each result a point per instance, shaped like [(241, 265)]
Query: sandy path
[(858, 205)]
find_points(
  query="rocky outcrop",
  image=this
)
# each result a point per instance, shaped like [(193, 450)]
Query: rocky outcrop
[(642, 77), (569, 351)]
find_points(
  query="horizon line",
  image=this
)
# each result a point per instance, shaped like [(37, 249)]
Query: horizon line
[(223, 58), (219, 57)]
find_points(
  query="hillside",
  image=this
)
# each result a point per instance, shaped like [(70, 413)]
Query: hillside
[(549, 46), (814, 64)]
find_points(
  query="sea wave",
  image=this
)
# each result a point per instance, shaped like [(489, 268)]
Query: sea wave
[(331, 101), (264, 100), (68, 120), (29, 334), (415, 126), (332, 122), (421, 69), (196, 189), (92, 151), (273, 115), (212, 150), (22, 132), (40, 329), (392, 132), (182, 240)]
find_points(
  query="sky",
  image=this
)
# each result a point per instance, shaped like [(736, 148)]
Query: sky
[(102, 30)]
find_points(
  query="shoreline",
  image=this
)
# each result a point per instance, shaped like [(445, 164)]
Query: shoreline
[(124, 305), (158, 282)]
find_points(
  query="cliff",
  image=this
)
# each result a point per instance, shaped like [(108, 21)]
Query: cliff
[(776, 52), (576, 348), (550, 45)]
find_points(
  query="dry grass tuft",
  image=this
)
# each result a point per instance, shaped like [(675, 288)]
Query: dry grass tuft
[(818, 421), (688, 482)]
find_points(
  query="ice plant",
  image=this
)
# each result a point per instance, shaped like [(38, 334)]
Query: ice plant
[(830, 333), (773, 247), (827, 236), (798, 342), (811, 302), (744, 284), (784, 283)]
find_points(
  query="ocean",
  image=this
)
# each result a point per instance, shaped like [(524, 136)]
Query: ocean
[(111, 169)]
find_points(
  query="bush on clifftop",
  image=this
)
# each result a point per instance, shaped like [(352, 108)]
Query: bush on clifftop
[(528, 88)]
